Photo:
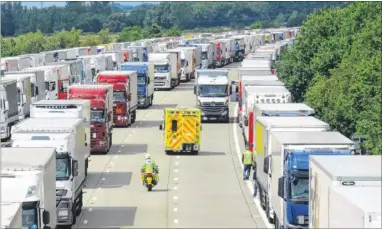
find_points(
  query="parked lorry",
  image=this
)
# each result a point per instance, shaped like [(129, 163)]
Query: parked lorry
[(16, 63), (197, 52), (239, 48), (163, 67), (207, 55), (66, 109), (187, 63), (28, 178), (11, 215), (76, 70), (56, 80), (259, 136), (261, 92), (288, 168), (212, 91), (282, 109), (345, 192), (145, 82), (117, 58), (178, 67), (68, 136), (101, 114), (220, 54), (182, 130), (23, 94), (140, 53), (92, 65), (9, 113), (37, 83), (125, 96)]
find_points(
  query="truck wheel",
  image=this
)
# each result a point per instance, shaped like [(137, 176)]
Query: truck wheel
[(168, 152), (133, 116), (86, 167), (194, 152), (267, 212), (110, 141), (74, 219), (151, 100), (80, 204)]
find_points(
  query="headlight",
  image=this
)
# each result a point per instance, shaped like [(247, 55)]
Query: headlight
[(31, 191), (102, 142), (226, 103), (301, 219), (63, 213), (142, 100)]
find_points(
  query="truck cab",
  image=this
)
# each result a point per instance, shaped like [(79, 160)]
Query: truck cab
[(145, 82), (37, 83), (163, 67), (212, 92), (101, 114), (124, 95), (9, 113)]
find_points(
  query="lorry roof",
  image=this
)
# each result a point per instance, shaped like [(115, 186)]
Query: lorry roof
[(92, 86), (284, 107), (265, 89), (350, 167), (46, 125), (311, 137), (27, 74), (26, 158), (135, 63), (248, 76), (262, 83), (18, 77), (120, 73), (5, 80), (301, 121), (62, 102), (366, 198), (216, 80), (8, 212), (214, 72)]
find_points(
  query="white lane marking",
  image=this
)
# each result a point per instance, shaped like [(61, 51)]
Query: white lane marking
[(94, 198), (119, 151), (175, 170), (249, 184), (176, 163), (111, 163), (108, 171), (132, 131), (85, 221), (175, 187), (177, 157), (175, 197), (90, 209), (116, 157), (103, 178), (122, 146), (175, 209), (176, 221), (175, 179)]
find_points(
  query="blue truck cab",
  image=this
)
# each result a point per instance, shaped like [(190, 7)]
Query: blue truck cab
[(145, 83), (290, 171)]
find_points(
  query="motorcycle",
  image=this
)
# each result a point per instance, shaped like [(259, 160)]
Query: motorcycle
[(149, 181)]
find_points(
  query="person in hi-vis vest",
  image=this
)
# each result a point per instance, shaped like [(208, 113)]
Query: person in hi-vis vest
[(247, 161)]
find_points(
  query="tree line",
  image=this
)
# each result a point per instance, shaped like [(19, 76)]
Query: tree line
[(95, 16), (335, 66)]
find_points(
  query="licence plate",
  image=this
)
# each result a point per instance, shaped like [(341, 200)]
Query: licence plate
[(149, 180), (213, 118)]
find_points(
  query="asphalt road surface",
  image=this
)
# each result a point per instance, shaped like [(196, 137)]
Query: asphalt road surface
[(201, 191)]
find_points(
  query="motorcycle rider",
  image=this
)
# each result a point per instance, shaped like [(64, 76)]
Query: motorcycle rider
[(150, 167)]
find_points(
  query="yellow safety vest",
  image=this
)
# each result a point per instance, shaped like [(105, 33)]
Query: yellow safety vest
[(247, 157)]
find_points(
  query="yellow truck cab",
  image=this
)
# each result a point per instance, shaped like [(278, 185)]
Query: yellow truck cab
[(182, 127)]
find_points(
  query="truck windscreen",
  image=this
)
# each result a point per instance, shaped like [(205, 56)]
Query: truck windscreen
[(96, 116), (62, 168), (161, 68), (213, 90), (204, 56), (299, 188), (119, 96), (141, 79), (183, 63)]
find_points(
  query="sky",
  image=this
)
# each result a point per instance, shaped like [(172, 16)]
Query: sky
[(47, 4)]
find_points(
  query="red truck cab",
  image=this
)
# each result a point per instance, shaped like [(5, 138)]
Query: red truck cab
[(124, 113), (101, 114)]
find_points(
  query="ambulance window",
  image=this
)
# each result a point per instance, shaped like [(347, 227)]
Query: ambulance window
[(174, 125)]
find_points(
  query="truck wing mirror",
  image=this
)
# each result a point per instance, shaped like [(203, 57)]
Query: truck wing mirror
[(45, 217), (160, 127), (37, 91), (266, 165), (240, 102), (24, 99), (75, 168), (237, 89), (148, 80), (281, 187), (245, 121), (195, 90), (6, 106), (230, 89)]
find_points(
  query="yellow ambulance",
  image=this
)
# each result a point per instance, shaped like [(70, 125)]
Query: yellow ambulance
[(182, 129)]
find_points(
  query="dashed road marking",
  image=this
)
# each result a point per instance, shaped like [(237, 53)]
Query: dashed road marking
[(175, 179), (122, 146), (108, 170), (90, 209), (175, 197), (175, 209), (85, 221), (111, 163), (175, 187), (175, 170), (94, 198), (176, 221), (103, 178), (176, 163), (177, 157)]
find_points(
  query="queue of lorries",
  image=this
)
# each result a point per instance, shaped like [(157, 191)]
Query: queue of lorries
[(60, 106), (307, 175)]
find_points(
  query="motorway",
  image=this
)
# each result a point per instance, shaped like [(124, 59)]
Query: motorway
[(194, 191)]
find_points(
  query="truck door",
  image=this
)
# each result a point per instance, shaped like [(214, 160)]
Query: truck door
[(189, 129), (173, 127)]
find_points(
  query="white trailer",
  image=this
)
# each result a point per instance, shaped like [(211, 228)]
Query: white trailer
[(187, 63), (92, 65), (24, 95), (65, 109), (289, 171), (11, 215), (75, 70), (30, 172), (207, 55), (9, 113), (16, 63), (117, 58), (37, 83), (68, 136), (345, 192)]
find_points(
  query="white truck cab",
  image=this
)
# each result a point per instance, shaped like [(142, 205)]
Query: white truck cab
[(212, 92), (164, 68)]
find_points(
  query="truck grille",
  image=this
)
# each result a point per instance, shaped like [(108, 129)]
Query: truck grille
[(218, 108), (115, 117), (141, 96), (159, 83), (93, 141)]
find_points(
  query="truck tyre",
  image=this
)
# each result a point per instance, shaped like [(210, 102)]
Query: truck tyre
[(151, 100), (80, 204), (267, 213), (168, 152), (86, 167), (226, 120), (195, 152), (74, 219), (110, 141), (133, 116)]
